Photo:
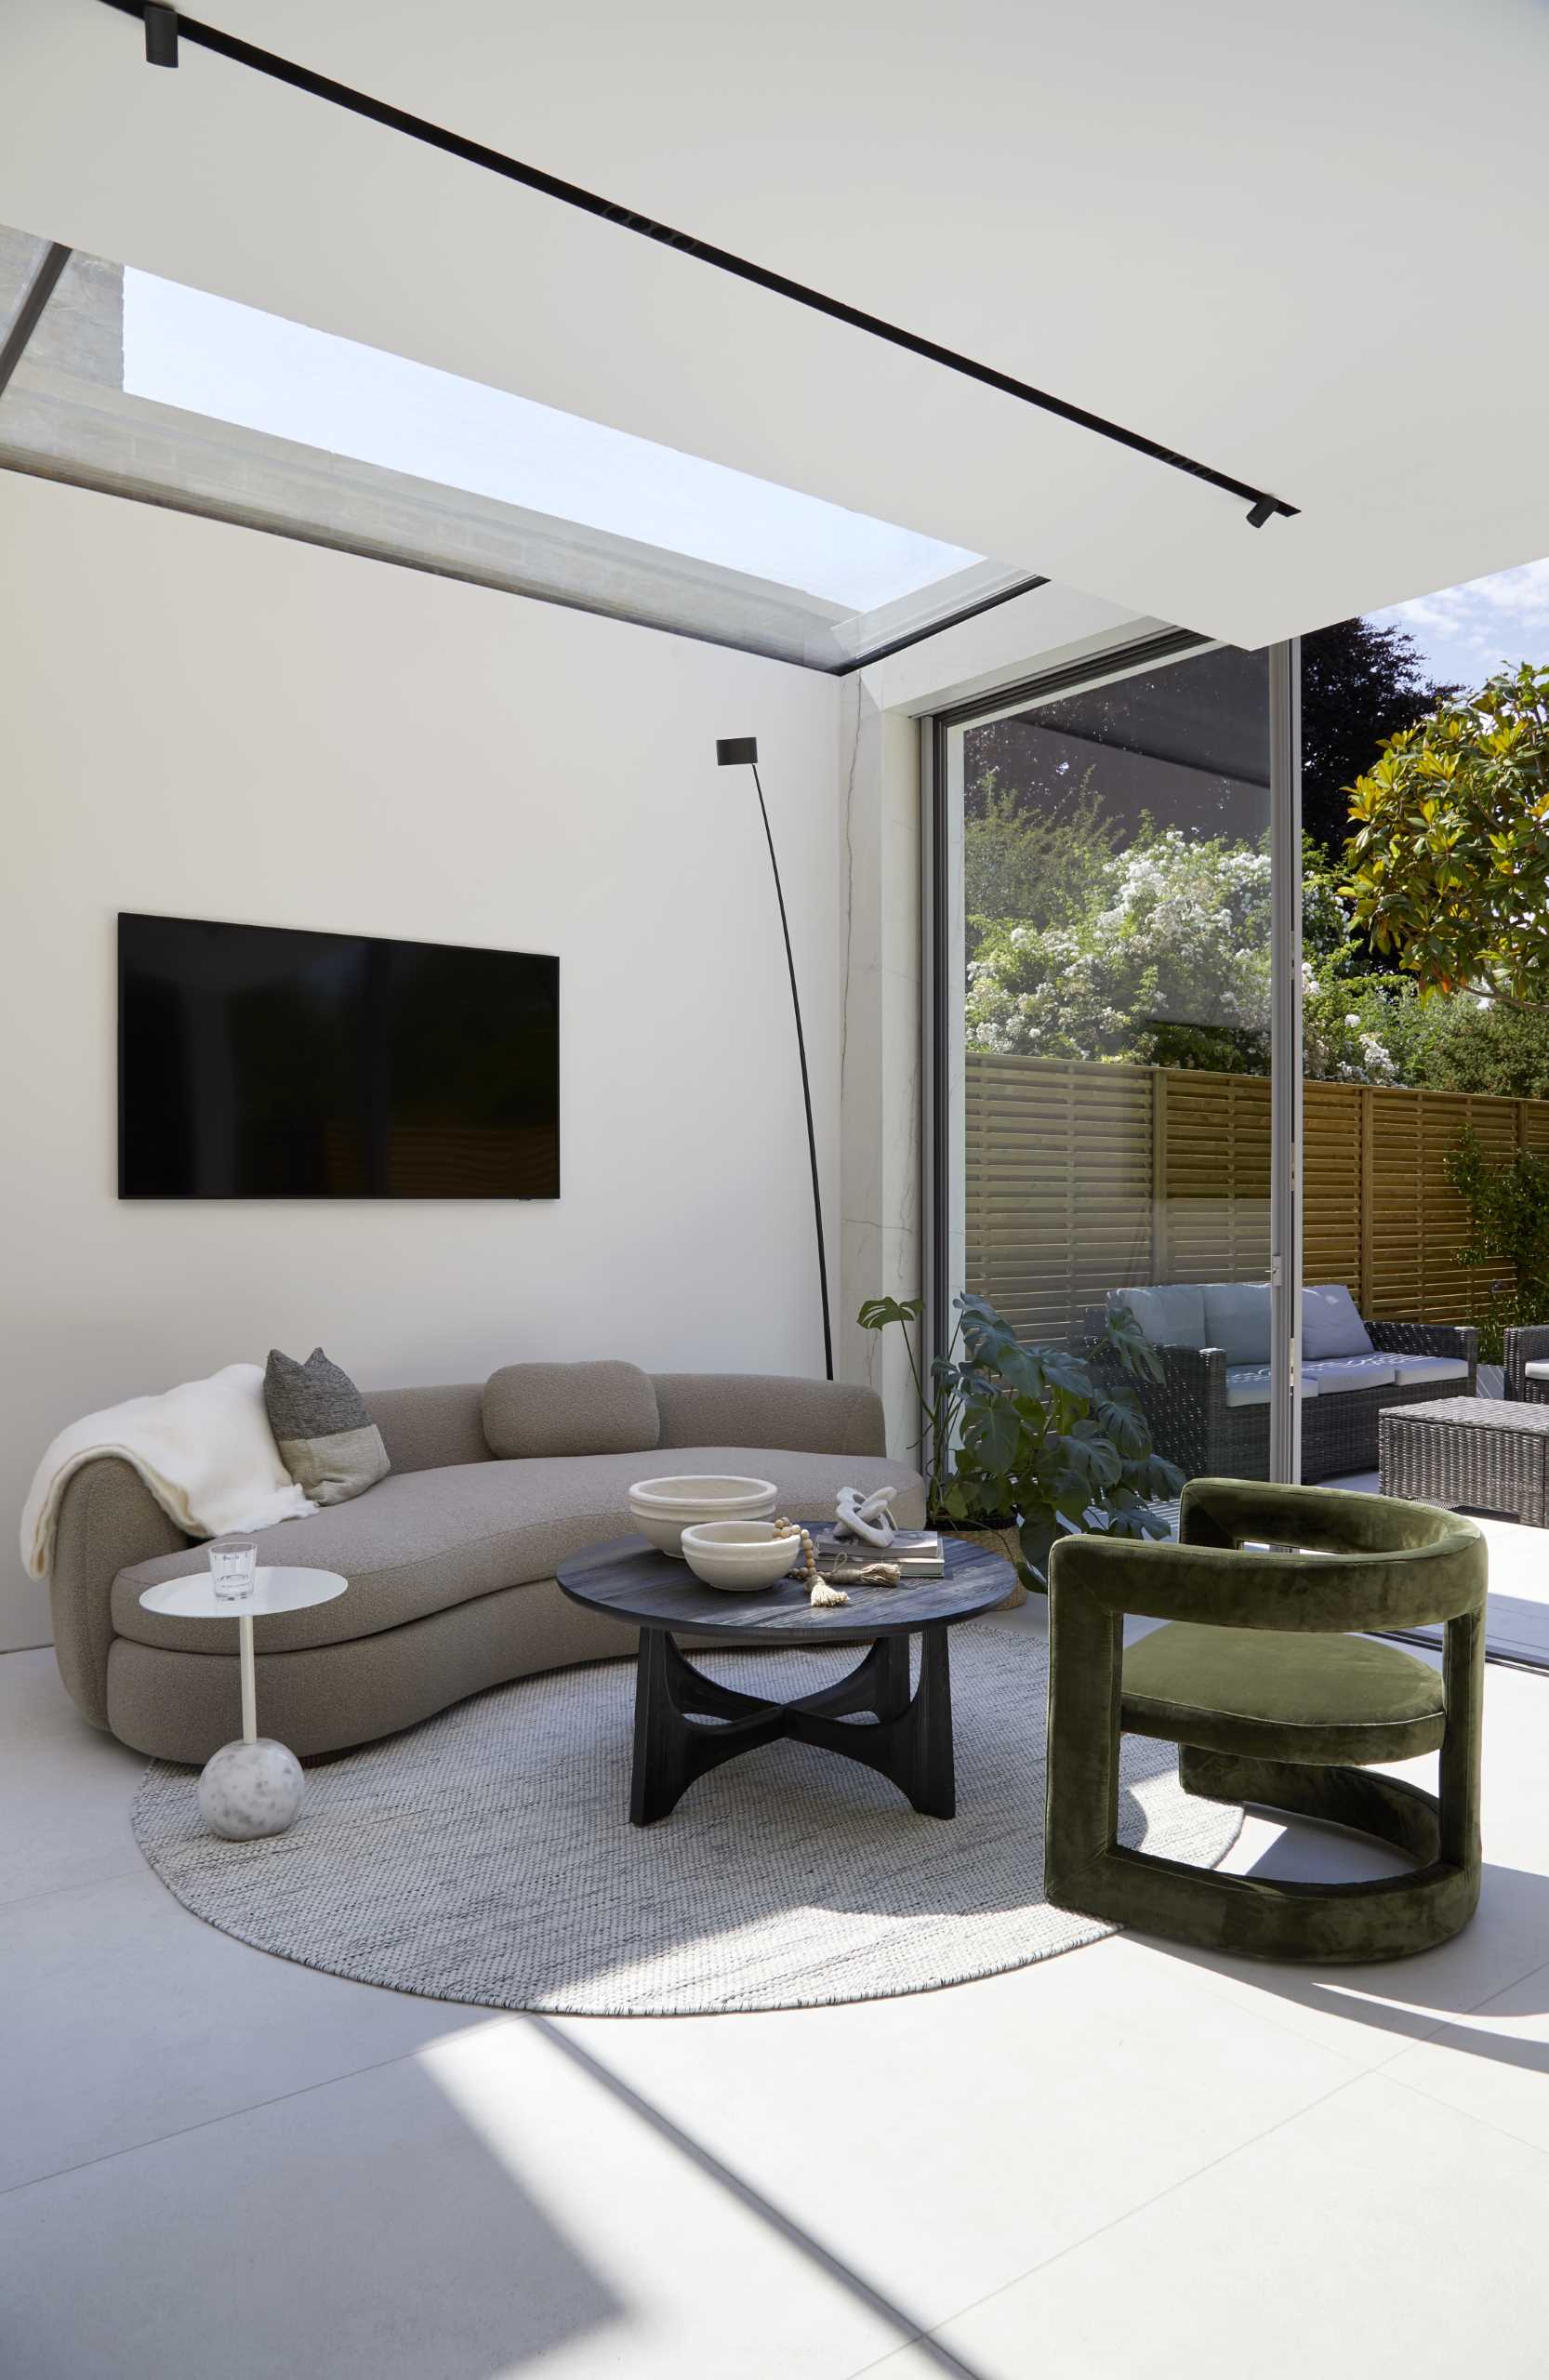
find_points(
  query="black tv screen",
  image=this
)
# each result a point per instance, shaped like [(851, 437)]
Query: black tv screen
[(259, 1063)]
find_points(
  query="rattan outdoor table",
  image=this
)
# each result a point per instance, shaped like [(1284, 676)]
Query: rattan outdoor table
[(1470, 1453)]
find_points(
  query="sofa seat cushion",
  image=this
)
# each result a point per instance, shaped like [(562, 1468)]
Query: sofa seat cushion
[(422, 1540), (1536, 1371), (1414, 1371), (1249, 1384), (1336, 1374)]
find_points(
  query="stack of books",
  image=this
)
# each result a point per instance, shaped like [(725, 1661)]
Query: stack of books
[(916, 1551)]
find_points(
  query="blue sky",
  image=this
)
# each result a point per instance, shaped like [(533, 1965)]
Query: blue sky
[(1465, 632), (232, 362)]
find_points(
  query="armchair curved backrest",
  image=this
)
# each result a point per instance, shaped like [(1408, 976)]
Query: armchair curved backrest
[(1250, 1555)]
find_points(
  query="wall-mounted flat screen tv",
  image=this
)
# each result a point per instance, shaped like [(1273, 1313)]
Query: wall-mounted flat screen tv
[(259, 1063)]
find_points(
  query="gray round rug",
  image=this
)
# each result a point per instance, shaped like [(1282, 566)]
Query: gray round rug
[(487, 1855)]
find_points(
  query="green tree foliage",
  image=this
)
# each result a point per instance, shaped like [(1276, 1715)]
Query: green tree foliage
[(1030, 863), (1508, 1206), (1360, 685), (1449, 859)]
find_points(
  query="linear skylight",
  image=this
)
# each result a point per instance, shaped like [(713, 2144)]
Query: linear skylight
[(230, 363)]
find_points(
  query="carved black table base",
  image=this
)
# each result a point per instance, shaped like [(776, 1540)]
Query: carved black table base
[(687, 1724), (911, 1742)]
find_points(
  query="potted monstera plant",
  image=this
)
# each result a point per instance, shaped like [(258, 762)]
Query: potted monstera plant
[(1024, 1445)]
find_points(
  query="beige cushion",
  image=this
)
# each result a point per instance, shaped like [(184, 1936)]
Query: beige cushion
[(536, 1409), (422, 1540)]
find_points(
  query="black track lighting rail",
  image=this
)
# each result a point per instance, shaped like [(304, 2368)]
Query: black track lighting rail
[(166, 27)]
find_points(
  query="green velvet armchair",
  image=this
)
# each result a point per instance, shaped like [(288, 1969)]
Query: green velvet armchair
[(1273, 1700)]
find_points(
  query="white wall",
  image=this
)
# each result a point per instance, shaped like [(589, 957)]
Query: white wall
[(206, 720)]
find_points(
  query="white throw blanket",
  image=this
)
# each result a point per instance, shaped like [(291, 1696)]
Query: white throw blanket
[(205, 1450)]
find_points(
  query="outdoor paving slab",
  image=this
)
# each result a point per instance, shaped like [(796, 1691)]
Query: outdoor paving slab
[(137, 2020), (1493, 2064), (1373, 2014), (66, 1789), (954, 2138), (476, 2212), (1377, 2233)]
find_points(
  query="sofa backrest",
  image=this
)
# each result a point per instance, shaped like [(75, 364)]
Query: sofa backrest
[(1236, 1320), (1331, 1323), (425, 1429), (1234, 1315), (1172, 1314), (769, 1409)]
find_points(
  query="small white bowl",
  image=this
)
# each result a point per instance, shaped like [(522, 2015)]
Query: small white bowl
[(740, 1556), (662, 1508)]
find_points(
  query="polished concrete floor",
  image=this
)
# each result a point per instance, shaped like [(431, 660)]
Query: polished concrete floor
[(214, 2165)]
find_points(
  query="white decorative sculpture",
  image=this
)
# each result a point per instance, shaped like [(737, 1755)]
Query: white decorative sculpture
[(868, 1517)]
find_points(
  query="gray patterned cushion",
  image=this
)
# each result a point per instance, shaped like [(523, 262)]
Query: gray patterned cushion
[(328, 1440)]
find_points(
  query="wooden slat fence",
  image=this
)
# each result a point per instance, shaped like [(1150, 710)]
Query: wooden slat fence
[(1082, 1177)]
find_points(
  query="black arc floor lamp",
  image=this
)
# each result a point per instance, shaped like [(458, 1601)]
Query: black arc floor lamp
[(742, 751)]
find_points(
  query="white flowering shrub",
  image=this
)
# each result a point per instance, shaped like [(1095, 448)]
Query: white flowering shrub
[(1169, 963)]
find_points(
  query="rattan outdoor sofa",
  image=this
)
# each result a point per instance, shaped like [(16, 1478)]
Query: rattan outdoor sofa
[(1210, 1411), (1526, 1364)]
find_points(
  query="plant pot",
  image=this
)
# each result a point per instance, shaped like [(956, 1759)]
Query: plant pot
[(1003, 1542)]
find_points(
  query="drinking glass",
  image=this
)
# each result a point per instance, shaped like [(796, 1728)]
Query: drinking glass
[(233, 1563)]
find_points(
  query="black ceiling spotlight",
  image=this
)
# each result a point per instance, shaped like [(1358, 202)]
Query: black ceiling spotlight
[(742, 751), (161, 35), (1264, 510)]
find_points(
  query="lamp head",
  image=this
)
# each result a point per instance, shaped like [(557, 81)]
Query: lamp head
[(734, 751)]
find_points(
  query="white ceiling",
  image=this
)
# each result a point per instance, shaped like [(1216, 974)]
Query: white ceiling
[(1304, 244)]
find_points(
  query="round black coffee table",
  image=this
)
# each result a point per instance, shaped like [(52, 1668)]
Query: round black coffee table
[(910, 1737)]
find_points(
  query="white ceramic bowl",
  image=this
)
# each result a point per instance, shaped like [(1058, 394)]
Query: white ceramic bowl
[(739, 1556), (662, 1508)]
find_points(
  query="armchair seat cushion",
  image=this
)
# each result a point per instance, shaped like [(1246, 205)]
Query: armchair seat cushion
[(1536, 1371), (1324, 1699), (1334, 1374)]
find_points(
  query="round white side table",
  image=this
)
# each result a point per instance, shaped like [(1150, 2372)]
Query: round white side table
[(252, 1787)]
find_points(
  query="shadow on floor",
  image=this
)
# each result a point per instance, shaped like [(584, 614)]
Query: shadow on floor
[(910, 2329), (1405, 1997)]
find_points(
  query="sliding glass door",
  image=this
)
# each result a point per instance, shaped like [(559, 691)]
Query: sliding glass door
[(1106, 923)]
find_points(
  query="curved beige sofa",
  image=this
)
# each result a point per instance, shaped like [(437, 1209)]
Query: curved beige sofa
[(450, 1560)]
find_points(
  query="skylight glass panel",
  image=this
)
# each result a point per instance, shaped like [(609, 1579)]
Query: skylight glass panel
[(226, 362)]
